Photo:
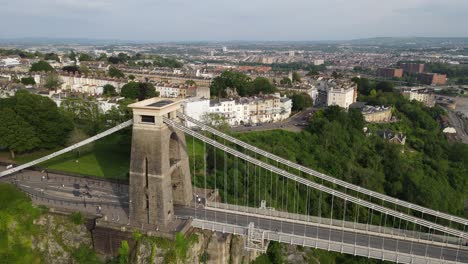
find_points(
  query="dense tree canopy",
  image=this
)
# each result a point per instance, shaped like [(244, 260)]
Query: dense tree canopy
[(286, 82), (115, 60), (261, 85), (85, 57), (50, 125), (190, 82), (72, 69), (28, 81), (17, 134), (241, 83), (52, 81), (51, 56), (114, 72), (231, 80), (85, 114), (296, 77), (301, 101), (109, 90), (138, 90), (167, 62), (41, 66)]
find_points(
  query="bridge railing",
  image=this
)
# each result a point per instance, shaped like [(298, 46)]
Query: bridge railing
[(334, 223), (336, 246), (341, 195), (382, 197)]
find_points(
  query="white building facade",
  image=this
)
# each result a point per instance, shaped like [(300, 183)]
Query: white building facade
[(241, 111)]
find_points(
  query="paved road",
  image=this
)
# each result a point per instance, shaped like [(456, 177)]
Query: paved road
[(68, 193), (459, 126), (391, 244)]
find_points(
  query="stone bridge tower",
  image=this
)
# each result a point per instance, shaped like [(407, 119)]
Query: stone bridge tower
[(159, 165)]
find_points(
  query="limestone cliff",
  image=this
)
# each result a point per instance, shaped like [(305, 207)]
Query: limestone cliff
[(203, 247), (59, 238)]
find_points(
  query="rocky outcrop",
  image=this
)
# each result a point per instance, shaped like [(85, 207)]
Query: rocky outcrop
[(208, 247), (59, 238)]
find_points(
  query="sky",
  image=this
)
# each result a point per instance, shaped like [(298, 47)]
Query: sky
[(224, 20)]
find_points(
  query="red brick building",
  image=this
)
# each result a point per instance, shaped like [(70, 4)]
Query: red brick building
[(390, 73), (413, 67), (432, 78)]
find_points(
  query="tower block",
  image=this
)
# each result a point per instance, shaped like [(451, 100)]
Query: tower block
[(159, 164)]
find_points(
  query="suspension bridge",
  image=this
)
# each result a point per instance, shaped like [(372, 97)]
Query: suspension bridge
[(240, 189)]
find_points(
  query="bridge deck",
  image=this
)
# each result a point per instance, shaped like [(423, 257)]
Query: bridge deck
[(297, 232)]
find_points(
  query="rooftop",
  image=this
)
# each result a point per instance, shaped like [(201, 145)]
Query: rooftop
[(161, 103), (156, 103)]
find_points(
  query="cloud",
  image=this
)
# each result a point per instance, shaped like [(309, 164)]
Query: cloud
[(229, 20)]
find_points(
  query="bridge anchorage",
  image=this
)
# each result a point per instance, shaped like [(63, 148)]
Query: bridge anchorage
[(159, 165)]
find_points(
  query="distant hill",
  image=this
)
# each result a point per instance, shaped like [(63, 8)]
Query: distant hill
[(411, 41), (379, 41), (63, 41)]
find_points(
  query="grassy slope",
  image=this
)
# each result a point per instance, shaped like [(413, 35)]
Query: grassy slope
[(108, 159), (16, 227)]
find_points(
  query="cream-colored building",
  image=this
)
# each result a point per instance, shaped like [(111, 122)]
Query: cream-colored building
[(376, 114), (241, 111), (338, 92), (426, 96)]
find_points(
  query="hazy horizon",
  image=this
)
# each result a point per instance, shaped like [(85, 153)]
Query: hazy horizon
[(216, 21)]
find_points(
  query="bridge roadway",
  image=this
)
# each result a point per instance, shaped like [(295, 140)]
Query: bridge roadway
[(60, 192), (389, 244)]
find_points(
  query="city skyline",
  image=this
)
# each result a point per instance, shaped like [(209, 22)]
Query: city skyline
[(258, 20)]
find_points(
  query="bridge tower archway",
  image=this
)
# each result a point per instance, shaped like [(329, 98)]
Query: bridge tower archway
[(159, 165)]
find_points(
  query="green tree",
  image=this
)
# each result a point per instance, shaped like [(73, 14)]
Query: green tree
[(301, 101), (138, 90), (336, 75), (51, 56), (131, 77), (41, 66), (384, 86), (114, 60), (77, 218), (232, 80), (261, 85), (85, 114), (50, 125), (84, 69), (52, 81), (364, 86), (85, 57), (102, 57), (130, 90), (286, 82), (28, 81), (312, 73), (85, 255), (71, 69), (274, 252), (72, 56), (216, 120), (17, 134), (123, 57), (190, 83), (296, 77), (124, 253), (77, 135), (115, 73), (109, 90)]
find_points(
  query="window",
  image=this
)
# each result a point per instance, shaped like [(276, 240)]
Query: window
[(147, 119)]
